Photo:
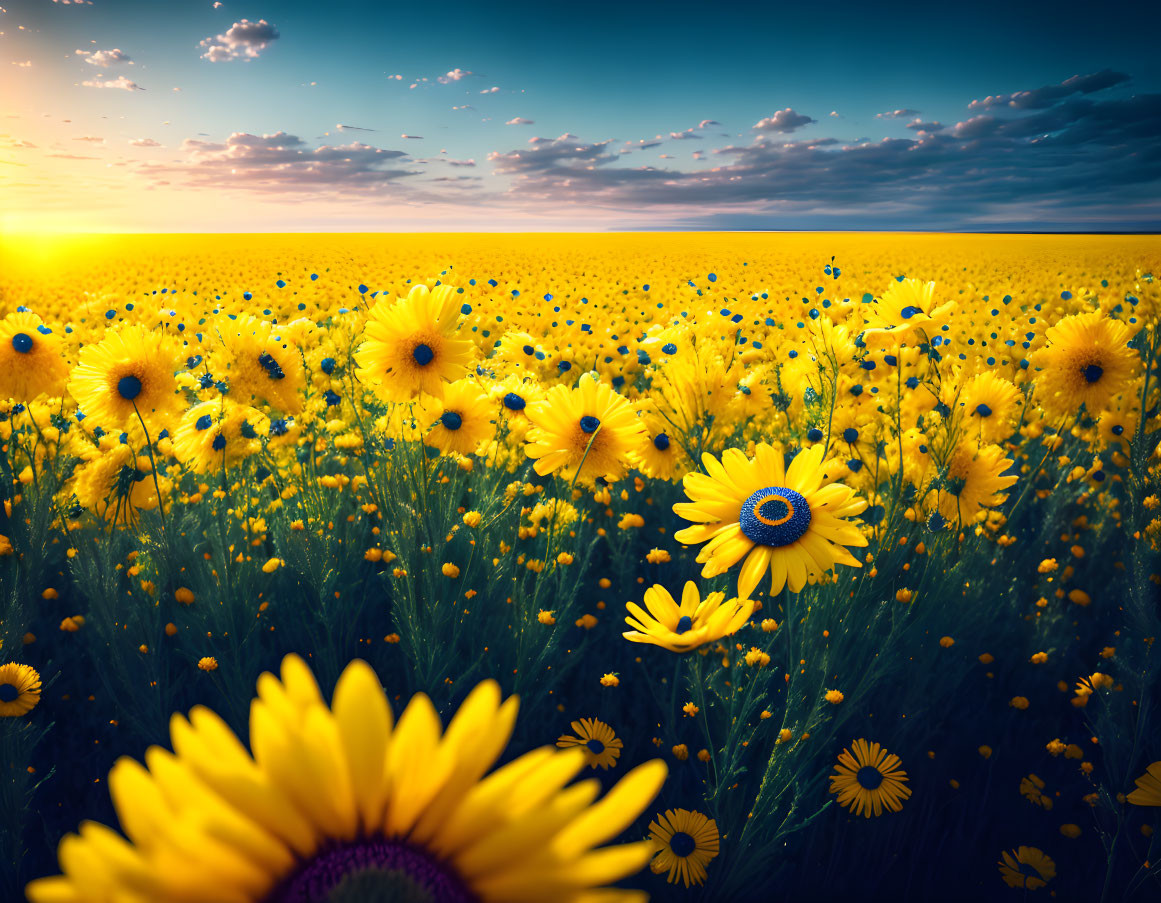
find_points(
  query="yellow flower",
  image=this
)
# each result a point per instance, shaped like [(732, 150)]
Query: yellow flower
[(1026, 868), (906, 306), (339, 788), (458, 422), (601, 746), (19, 689), (272, 565), (869, 779), (31, 363), (680, 628), (410, 347), (1148, 792), (583, 433), (834, 697), (610, 680), (782, 520), (685, 842), (1086, 361), (208, 663)]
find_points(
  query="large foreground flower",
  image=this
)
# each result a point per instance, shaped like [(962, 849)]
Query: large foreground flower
[(410, 348), (1087, 360), (19, 689), (1148, 792), (30, 358), (782, 519), (685, 843), (869, 780), (127, 375), (586, 432), (340, 797), (680, 628)]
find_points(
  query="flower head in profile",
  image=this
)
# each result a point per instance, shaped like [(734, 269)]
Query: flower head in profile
[(410, 348), (115, 484), (127, 375), (974, 480), (693, 623), (584, 433), (789, 521), (907, 305), (342, 799), (685, 842)]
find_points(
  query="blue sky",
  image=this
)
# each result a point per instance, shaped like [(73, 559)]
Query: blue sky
[(677, 115)]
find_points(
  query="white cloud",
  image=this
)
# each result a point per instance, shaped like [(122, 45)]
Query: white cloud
[(144, 142), (833, 114), (412, 137), (454, 76), (397, 78), (92, 139), (105, 58), (520, 120), (119, 82), (217, 4), (23, 64), (782, 121), (491, 90), (706, 123), (244, 40), (896, 114)]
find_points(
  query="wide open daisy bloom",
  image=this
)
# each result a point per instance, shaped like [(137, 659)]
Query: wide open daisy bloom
[(410, 346), (343, 794), (31, 363), (1027, 868), (1087, 360), (685, 843), (781, 519), (869, 780)]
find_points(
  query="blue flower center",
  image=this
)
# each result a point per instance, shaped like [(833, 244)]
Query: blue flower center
[(423, 355), (596, 747), (451, 420), (204, 422), (869, 777), (514, 402), (983, 410), (661, 442), (1093, 373), (8, 693), (682, 844), (684, 624), (22, 342), (371, 868), (774, 516), (129, 387), (219, 442), (909, 311), (589, 424)]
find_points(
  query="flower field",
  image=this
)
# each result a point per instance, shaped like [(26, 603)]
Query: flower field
[(580, 567)]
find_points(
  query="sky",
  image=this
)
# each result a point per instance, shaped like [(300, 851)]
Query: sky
[(204, 116)]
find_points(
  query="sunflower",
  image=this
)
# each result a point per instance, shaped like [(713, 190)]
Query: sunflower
[(128, 374), (869, 779), (19, 690), (681, 628), (461, 421), (661, 456), (601, 746), (991, 407), (30, 358), (115, 484), (906, 306), (779, 518), (340, 796), (1086, 360), (586, 432), (1148, 792), (973, 481), (1027, 868), (684, 842), (410, 347), (216, 434), (262, 363)]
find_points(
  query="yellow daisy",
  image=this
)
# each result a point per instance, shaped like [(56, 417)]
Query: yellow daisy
[(685, 842), (410, 347), (217, 434), (694, 623), (129, 373), (991, 407), (460, 421), (869, 779), (583, 433), (30, 358), (19, 689), (115, 484), (601, 746), (973, 481), (1087, 360), (905, 307), (261, 363), (777, 518), (1026, 868), (344, 795)]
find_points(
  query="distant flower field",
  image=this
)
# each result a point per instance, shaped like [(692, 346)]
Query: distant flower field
[(579, 568)]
